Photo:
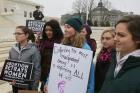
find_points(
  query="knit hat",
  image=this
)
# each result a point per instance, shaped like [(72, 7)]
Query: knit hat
[(76, 23)]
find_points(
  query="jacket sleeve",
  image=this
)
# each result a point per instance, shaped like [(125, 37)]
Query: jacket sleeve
[(37, 68), (42, 16), (90, 87)]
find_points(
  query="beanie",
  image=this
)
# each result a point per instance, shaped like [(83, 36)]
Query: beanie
[(76, 23)]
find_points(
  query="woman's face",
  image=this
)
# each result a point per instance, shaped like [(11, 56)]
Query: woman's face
[(83, 32), (69, 31), (49, 32), (107, 40), (123, 39), (20, 36)]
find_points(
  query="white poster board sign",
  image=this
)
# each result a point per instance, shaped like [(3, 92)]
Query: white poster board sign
[(69, 69)]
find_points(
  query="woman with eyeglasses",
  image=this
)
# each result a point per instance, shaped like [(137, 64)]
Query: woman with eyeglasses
[(25, 51)]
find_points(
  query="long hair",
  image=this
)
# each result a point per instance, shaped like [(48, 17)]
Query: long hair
[(27, 31), (76, 41), (57, 31)]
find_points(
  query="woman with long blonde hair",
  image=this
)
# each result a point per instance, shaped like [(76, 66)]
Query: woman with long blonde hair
[(73, 38)]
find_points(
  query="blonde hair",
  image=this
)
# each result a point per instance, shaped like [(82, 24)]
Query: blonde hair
[(76, 41), (111, 31)]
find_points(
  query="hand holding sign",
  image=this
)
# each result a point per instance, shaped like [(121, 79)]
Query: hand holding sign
[(69, 69), (16, 71)]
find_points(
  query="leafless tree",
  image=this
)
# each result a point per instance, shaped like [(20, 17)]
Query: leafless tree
[(107, 4), (84, 6)]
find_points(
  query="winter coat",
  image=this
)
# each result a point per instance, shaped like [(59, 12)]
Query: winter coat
[(46, 50), (37, 14), (102, 66), (27, 54), (126, 81)]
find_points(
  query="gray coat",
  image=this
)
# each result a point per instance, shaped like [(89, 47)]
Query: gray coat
[(27, 54)]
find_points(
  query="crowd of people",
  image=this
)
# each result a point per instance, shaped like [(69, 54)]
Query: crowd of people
[(117, 64)]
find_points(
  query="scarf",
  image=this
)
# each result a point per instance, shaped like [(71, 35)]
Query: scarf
[(104, 56)]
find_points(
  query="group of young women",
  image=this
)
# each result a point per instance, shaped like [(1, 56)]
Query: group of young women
[(117, 65)]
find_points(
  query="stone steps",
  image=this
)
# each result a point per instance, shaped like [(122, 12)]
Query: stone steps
[(5, 46)]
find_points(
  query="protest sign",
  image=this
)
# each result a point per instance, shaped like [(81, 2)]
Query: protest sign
[(70, 69), (16, 70), (35, 25)]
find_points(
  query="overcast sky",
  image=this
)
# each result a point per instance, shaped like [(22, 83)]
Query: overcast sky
[(56, 8)]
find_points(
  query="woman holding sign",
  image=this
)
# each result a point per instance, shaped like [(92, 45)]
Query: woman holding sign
[(73, 38), (51, 34), (25, 51), (123, 75)]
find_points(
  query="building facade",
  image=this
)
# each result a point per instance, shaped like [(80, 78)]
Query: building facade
[(17, 11), (101, 16)]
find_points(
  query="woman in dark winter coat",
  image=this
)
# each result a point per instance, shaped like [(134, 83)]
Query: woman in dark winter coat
[(26, 51), (104, 57), (123, 75), (51, 34), (86, 32)]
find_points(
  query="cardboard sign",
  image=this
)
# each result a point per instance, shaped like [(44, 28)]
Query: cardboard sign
[(35, 25), (17, 70), (70, 69)]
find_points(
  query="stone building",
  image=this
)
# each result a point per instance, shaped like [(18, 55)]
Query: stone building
[(17, 11), (104, 17), (101, 16)]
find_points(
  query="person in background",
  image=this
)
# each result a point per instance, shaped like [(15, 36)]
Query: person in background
[(51, 34), (25, 51), (123, 75), (73, 38), (37, 14), (86, 32), (104, 57)]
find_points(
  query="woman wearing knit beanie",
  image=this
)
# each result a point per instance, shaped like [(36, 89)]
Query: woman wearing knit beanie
[(72, 38)]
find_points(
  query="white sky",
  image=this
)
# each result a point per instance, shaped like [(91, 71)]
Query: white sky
[(56, 8)]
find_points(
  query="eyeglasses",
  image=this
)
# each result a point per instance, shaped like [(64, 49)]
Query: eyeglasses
[(18, 33)]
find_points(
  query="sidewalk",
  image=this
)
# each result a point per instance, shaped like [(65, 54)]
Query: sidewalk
[(5, 87)]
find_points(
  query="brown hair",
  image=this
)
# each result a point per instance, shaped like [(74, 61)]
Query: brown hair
[(27, 31), (133, 26)]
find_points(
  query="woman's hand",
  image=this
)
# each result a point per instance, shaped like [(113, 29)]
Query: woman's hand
[(46, 88), (13, 82)]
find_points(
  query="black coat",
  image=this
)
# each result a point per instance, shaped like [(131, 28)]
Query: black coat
[(38, 15), (101, 70)]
